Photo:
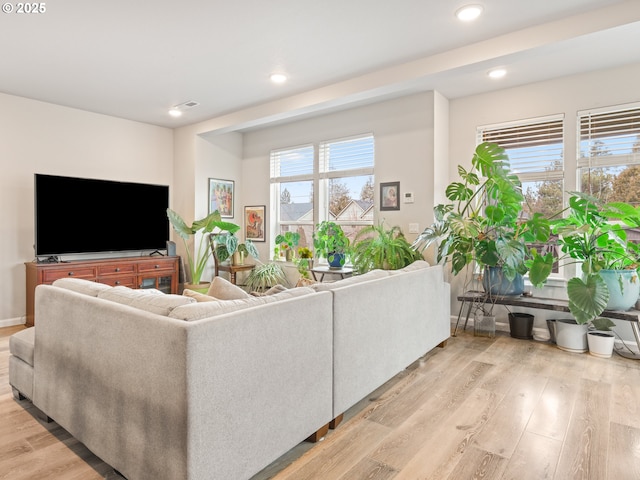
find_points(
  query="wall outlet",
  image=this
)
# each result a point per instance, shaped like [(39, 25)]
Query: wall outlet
[(414, 228), (408, 197)]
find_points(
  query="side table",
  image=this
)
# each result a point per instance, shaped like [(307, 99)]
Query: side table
[(322, 270)]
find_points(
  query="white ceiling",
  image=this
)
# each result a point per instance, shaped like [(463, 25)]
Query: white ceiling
[(136, 59)]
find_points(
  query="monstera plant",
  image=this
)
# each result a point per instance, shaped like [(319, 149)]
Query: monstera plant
[(594, 235), (483, 222)]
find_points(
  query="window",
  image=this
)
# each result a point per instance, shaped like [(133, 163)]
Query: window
[(333, 180), (609, 154), (535, 149)]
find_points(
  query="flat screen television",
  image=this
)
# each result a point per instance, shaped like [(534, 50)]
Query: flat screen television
[(84, 216)]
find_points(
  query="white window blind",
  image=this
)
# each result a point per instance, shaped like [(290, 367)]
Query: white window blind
[(534, 146), (355, 155), (292, 162), (610, 137)]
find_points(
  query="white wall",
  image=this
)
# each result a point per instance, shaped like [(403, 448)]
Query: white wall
[(404, 151), (567, 96), (45, 138)]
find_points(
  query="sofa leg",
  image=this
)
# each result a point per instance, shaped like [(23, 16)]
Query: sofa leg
[(318, 434), (43, 416), (17, 395), (442, 344), (333, 424)]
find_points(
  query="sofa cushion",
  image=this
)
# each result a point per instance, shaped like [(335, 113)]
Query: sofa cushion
[(225, 290), (200, 297), (143, 299), (21, 344), (87, 287), (202, 310), (373, 274)]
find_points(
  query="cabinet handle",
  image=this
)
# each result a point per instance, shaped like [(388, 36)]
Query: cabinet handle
[(70, 274), (117, 282), (117, 269), (156, 266)]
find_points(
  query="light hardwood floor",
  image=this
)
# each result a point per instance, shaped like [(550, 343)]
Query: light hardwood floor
[(480, 408)]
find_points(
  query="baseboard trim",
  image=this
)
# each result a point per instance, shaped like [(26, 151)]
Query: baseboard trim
[(10, 322)]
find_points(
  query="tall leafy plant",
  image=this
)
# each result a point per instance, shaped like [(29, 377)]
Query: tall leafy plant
[(197, 257), (483, 222)]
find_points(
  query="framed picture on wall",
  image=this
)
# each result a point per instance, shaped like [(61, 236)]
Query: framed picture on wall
[(254, 222), (390, 196), (221, 196)]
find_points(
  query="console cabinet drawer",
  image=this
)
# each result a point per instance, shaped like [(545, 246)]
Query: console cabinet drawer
[(117, 269), (114, 281), (49, 276), (146, 267)]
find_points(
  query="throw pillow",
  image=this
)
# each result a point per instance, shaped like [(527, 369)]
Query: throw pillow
[(225, 290), (200, 297)]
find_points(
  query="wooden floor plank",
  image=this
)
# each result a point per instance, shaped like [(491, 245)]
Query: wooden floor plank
[(624, 452), (535, 458), (584, 453)]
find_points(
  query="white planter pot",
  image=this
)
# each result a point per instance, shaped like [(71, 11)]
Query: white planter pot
[(571, 337), (600, 343)]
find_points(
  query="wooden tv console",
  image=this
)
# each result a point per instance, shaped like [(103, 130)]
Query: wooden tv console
[(134, 272)]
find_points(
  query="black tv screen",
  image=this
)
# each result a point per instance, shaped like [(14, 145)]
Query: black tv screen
[(83, 215)]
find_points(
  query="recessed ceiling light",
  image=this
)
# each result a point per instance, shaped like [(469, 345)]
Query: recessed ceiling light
[(497, 73), (469, 12), (278, 77), (175, 113)]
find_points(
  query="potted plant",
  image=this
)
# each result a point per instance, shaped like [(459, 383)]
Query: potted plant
[(265, 276), (288, 241), (377, 247), (304, 262), (483, 225), (228, 245), (330, 242), (594, 234), (197, 258)]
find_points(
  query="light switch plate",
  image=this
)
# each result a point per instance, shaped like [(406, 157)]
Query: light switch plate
[(414, 228)]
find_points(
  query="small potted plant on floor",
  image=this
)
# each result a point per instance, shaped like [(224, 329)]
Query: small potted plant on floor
[(330, 242), (378, 248)]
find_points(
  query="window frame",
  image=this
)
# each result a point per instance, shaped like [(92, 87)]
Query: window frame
[(320, 178)]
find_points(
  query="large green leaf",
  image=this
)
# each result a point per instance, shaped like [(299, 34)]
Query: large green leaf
[(458, 192), (540, 268), (587, 299)]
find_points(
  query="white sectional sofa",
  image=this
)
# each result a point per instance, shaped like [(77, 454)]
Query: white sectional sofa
[(160, 387)]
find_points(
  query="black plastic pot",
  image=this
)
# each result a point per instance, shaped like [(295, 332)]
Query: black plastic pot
[(521, 325)]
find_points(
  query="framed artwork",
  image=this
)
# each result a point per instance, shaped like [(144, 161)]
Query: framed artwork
[(390, 196), (254, 221), (221, 193)]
